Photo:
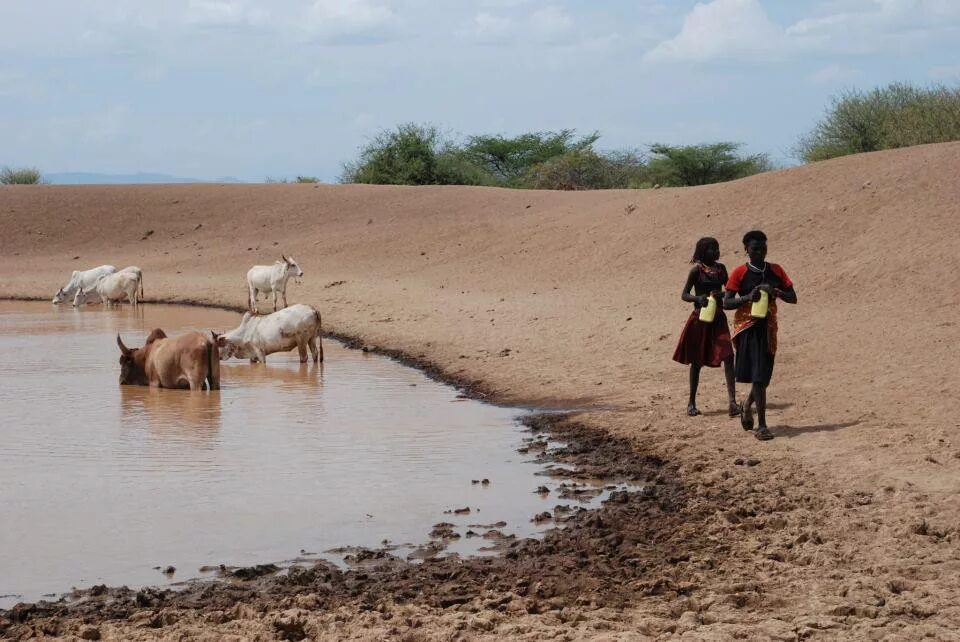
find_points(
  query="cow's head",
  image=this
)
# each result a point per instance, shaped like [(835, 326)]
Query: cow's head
[(295, 270), (228, 349), (132, 372), (61, 296)]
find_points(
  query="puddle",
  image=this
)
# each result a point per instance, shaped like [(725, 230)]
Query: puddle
[(103, 484)]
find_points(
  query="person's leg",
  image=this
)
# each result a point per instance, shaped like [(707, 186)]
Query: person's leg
[(694, 384), (760, 394), (746, 412), (734, 408)]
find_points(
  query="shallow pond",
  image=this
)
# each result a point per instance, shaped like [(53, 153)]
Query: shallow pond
[(101, 483)]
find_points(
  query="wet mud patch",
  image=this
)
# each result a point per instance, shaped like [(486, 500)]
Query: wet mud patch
[(607, 557)]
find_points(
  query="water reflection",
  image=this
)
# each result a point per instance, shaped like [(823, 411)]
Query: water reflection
[(302, 376), (185, 415)]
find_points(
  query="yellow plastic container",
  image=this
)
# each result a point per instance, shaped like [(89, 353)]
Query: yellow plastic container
[(758, 309), (709, 312)]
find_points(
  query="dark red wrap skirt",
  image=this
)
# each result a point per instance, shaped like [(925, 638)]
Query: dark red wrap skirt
[(704, 344)]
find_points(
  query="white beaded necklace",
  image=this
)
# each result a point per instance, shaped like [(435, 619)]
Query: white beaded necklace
[(756, 269)]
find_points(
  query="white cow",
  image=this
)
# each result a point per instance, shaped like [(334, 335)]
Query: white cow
[(114, 287), (85, 279), (271, 278), (92, 295), (257, 336)]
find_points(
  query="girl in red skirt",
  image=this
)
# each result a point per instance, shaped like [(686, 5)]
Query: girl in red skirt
[(706, 344)]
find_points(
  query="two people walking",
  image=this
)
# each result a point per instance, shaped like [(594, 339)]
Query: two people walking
[(749, 352)]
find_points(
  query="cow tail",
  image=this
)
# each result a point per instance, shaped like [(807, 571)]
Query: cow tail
[(141, 286), (213, 366)]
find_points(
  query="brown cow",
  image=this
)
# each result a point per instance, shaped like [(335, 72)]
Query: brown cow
[(181, 362)]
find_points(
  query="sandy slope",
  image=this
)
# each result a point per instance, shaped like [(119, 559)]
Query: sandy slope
[(847, 527)]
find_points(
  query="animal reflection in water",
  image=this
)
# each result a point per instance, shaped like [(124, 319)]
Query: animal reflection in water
[(289, 375), (191, 416)]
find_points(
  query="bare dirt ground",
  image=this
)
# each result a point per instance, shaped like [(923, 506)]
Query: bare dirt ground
[(845, 529)]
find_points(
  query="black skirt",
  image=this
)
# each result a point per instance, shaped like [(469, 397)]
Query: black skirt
[(754, 362)]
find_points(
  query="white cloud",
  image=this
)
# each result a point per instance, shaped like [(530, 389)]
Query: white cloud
[(489, 28), (551, 24), (741, 30), (224, 13), (833, 75), (345, 18), (722, 29)]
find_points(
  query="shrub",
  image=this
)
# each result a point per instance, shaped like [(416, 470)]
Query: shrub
[(586, 169), (20, 176), (701, 164), (306, 179), (898, 115), (510, 160)]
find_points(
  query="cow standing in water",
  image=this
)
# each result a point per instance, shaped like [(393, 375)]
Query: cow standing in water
[(271, 279), (84, 279), (297, 326), (186, 361), (114, 287)]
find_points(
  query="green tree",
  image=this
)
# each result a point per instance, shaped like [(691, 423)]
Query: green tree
[(510, 159), (20, 176), (413, 154), (898, 115), (701, 164), (587, 169)]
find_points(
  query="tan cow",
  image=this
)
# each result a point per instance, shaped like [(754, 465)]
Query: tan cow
[(185, 361)]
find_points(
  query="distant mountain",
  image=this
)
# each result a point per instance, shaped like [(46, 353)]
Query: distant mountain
[(93, 178)]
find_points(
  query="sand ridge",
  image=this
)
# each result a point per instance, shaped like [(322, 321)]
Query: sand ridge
[(845, 528)]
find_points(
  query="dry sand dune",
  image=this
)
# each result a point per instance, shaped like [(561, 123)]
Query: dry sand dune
[(846, 528)]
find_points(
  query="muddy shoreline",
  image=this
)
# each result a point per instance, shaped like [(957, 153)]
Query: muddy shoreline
[(594, 562)]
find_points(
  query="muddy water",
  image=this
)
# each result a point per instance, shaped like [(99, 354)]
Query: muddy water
[(107, 484)]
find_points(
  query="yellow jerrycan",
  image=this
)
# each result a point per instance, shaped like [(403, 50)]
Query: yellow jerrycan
[(709, 312), (758, 309)]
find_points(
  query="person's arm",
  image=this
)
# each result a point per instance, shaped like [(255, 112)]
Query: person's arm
[(785, 293), (692, 298), (732, 300)]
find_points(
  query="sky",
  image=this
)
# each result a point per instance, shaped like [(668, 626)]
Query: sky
[(253, 89)]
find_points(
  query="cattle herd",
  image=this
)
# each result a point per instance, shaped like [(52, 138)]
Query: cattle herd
[(192, 360)]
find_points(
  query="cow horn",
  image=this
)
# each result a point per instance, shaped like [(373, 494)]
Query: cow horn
[(124, 349), (285, 259)]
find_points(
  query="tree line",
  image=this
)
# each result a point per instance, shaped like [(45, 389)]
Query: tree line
[(414, 154), (898, 115)]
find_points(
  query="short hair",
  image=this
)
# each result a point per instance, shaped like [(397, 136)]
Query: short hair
[(701, 247), (754, 235)]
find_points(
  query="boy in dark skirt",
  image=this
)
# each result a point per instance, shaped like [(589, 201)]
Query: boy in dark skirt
[(755, 339)]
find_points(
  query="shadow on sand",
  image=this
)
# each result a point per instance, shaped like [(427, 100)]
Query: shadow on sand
[(793, 431), (770, 406)]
